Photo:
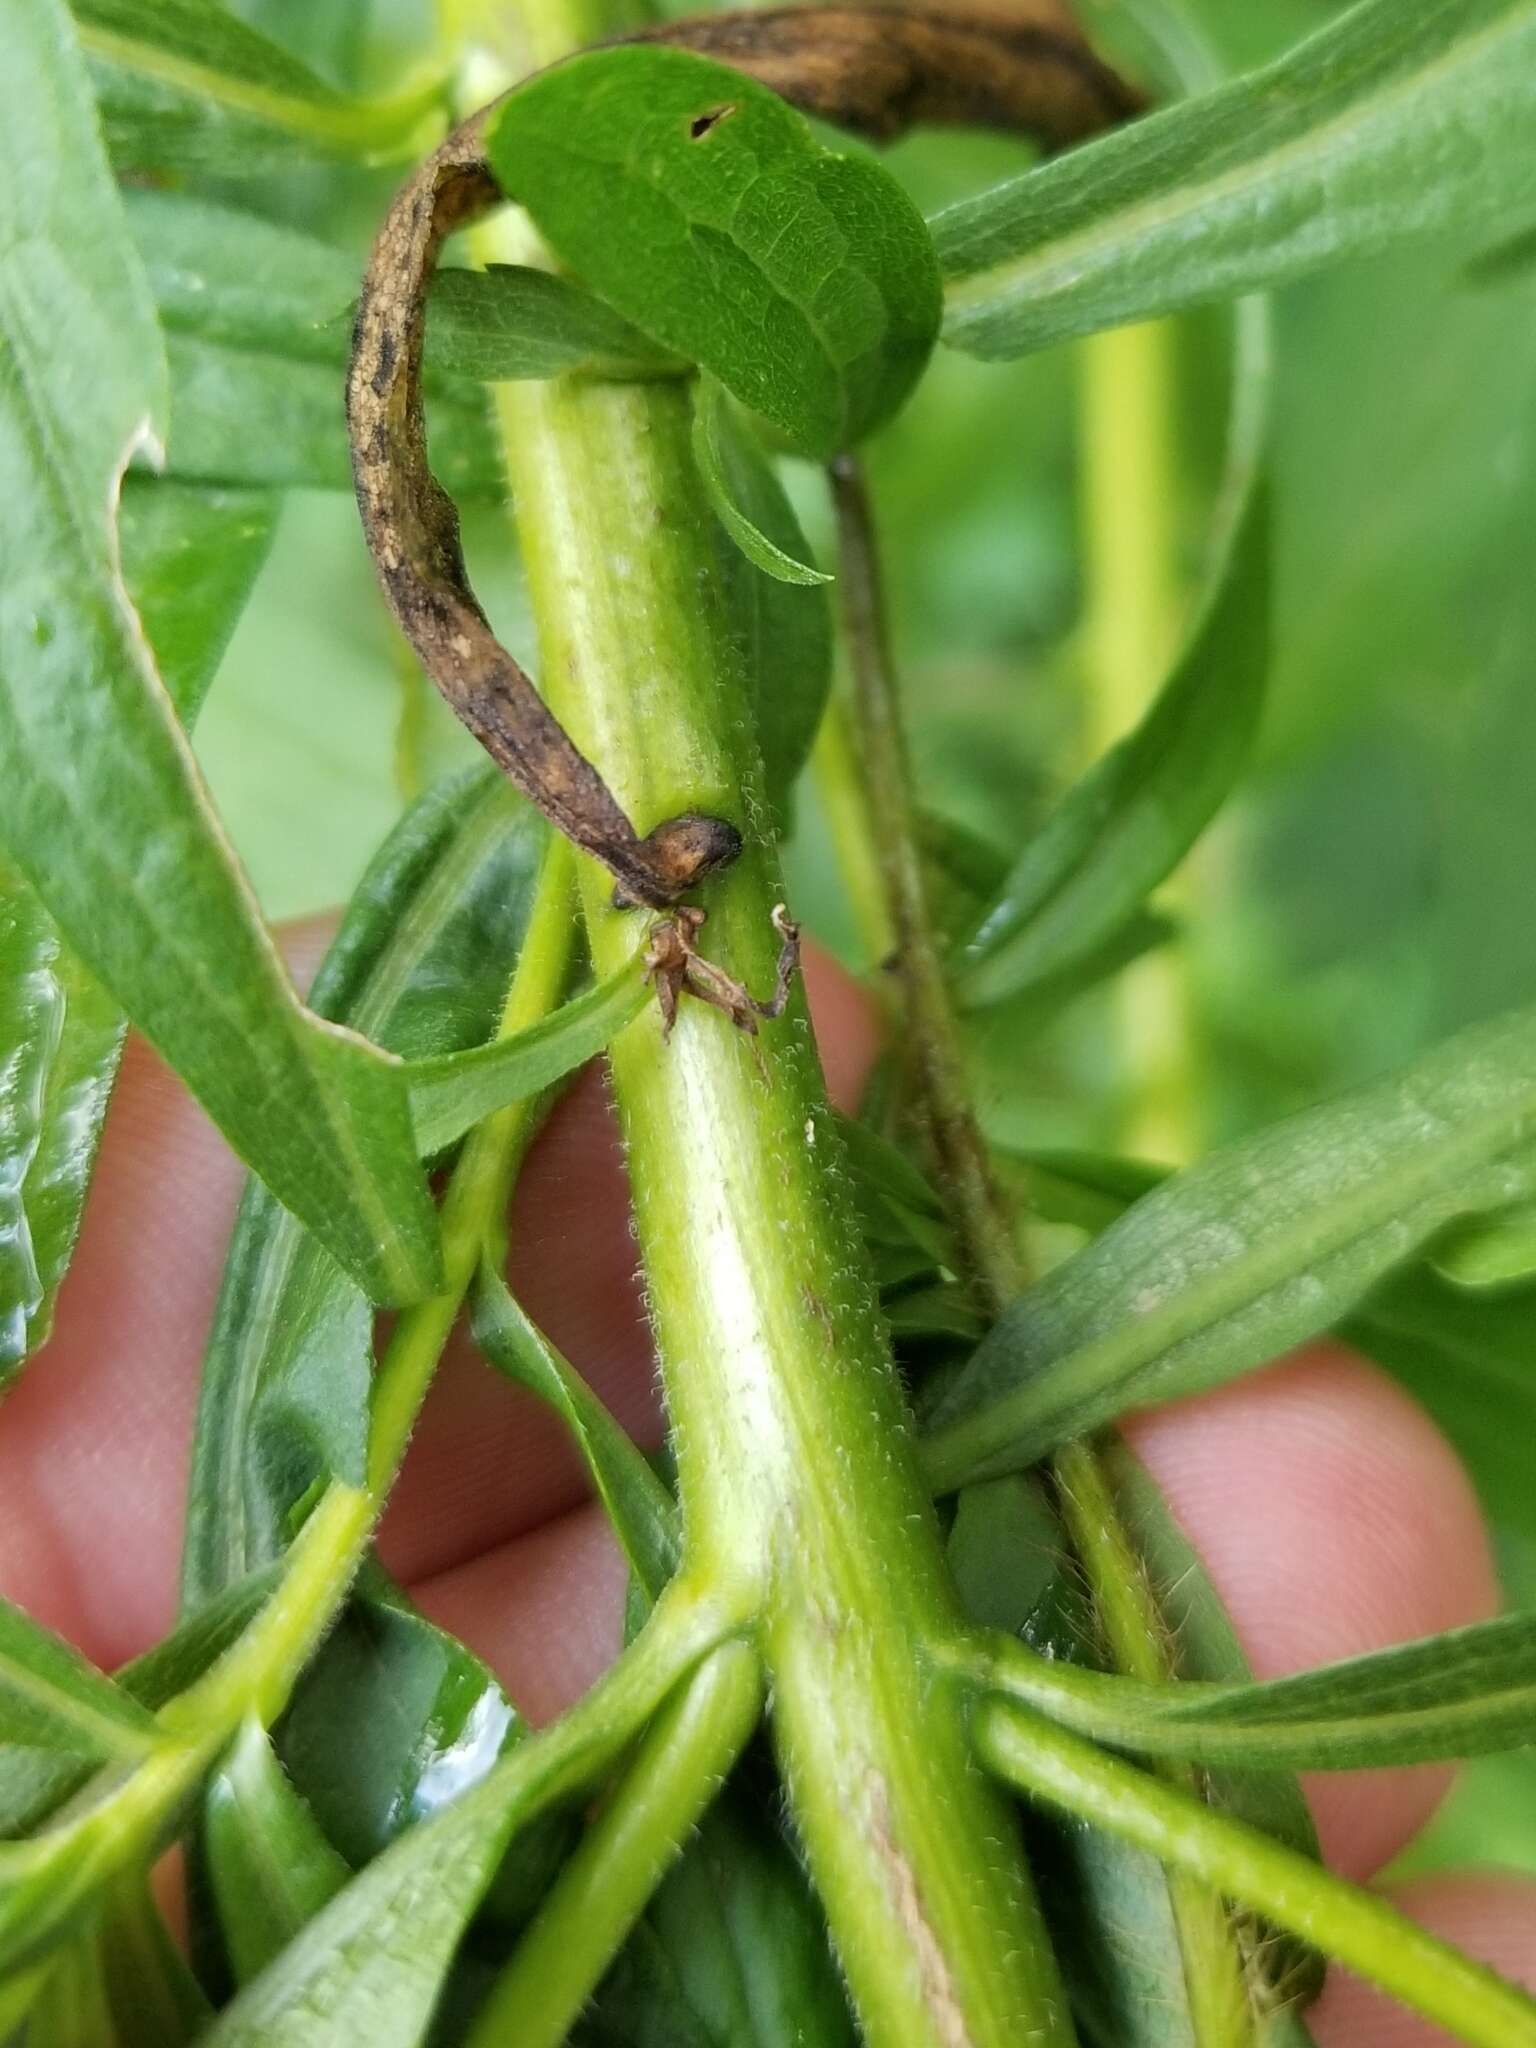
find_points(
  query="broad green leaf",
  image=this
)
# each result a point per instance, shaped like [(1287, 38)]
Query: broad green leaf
[(1083, 878), (269, 1864), (52, 1698), (512, 321), (248, 418), (733, 1950), (154, 1998), (229, 276), (451, 1092), (394, 1721), (105, 806), (703, 208), (721, 449), (371, 1966), (1249, 1253), (643, 1513), (185, 84), (1403, 118), (420, 962)]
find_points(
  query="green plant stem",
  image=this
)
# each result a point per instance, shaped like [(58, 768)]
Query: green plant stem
[(680, 1765), (475, 1205), (1361, 1930), (1130, 624), (798, 1484), (1123, 1598), (844, 796), (931, 1039)]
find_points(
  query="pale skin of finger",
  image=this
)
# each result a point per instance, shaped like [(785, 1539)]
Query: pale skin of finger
[(1333, 1517)]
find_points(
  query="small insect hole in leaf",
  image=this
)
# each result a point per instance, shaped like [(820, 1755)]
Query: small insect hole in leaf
[(701, 124)]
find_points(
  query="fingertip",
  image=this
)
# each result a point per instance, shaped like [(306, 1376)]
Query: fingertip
[(1334, 1519), (545, 1611), (846, 1024)]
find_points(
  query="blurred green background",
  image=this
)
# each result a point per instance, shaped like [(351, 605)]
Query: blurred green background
[(1371, 886)]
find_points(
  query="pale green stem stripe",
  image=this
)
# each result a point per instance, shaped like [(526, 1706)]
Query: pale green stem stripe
[(1354, 1926)]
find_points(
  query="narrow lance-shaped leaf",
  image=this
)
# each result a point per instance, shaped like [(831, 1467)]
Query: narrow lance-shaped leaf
[(270, 1866), (106, 814), (1248, 1253), (703, 208), (51, 1698), (1402, 118), (349, 1975), (257, 318), (186, 84), (718, 450), (421, 961), (1467, 1692), (643, 1513), (222, 275), (453, 1091), (1083, 879), (783, 630), (1368, 1935), (34, 1782)]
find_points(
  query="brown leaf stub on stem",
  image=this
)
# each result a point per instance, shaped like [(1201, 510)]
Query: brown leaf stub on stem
[(676, 968), (878, 70), (883, 70), (412, 530)]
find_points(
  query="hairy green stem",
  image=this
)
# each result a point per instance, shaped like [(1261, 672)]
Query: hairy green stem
[(1362, 1930), (475, 1205), (798, 1485), (931, 1039), (679, 1766), (1123, 1597)]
